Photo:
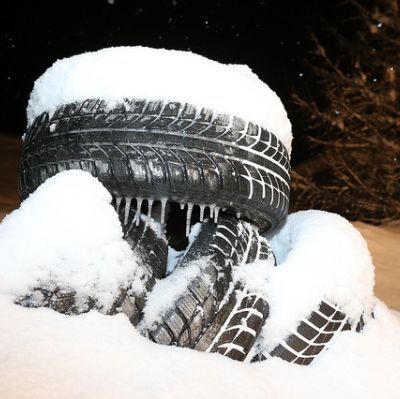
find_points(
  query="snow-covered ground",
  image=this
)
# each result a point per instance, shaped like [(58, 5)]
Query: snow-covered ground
[(57, 236), (44, 354)]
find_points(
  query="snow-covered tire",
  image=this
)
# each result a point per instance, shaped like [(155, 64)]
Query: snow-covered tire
[(150, 250), (196, 317), (313, 335), (156, 150)]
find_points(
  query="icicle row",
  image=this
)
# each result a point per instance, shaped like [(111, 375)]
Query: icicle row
[(214, 210)]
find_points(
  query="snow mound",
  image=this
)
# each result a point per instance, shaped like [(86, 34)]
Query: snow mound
[(159, 74), (67, 234), (321, 256), (44, 354)]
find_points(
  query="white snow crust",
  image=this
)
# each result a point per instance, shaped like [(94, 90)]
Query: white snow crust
[(168, 290), (159, 74), (67, 234), (68, 231), (320, 255), (45, 355)]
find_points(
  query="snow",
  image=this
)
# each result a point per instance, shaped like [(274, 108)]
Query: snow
[(68, 231), (158, 74), (174, 256), (67, 234), (44, 354), (168, 290), (320, 255)]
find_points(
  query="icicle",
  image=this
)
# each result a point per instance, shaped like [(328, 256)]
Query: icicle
[(188, 218), (211, 211), (149, 207), (202, 212), (128, 201), (138, 209), (216, 212), (238, 214), (182, 205), (163, 206), (118, 203)]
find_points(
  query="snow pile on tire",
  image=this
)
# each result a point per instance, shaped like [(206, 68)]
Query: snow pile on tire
[(67, 234), (321, 256), (159, 74)]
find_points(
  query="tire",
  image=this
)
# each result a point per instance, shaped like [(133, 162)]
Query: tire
[(196, 319), (151, 251), (157, 150), (312, 336), (239, 323)]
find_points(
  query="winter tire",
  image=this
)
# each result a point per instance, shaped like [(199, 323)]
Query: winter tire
[(149, 248), (313, 335), (164, 150), (196, 319)]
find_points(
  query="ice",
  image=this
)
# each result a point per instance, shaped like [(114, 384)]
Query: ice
[(211, 208), (128, 201), (182, 205), (202, 206), (163, 209), (188, 217), (139, 202), (116, 73), (216, 213), (149, 207)]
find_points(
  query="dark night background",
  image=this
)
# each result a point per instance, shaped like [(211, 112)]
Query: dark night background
[(271, 37)]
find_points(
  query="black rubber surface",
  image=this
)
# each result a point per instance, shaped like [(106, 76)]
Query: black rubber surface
[(156, 150)]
